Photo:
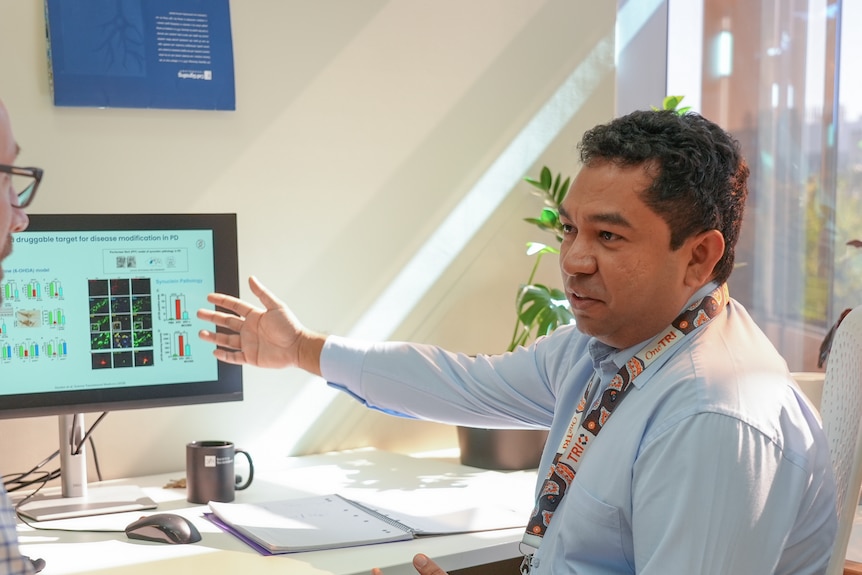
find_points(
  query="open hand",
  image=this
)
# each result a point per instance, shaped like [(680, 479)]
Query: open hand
[(271, 336)]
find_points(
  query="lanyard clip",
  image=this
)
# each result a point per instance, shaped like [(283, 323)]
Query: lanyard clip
[(529, 560), (526, 564)]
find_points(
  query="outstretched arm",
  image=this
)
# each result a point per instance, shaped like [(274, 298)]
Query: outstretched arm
[(271, 336)]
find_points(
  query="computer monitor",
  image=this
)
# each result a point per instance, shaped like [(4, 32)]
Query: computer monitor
[(99, 314)]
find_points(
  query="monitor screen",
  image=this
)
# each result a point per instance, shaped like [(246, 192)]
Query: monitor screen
[(99, 312)]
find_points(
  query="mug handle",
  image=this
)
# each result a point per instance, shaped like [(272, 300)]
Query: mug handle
[(238, 486)]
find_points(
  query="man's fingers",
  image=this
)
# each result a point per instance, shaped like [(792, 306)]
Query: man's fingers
[(426, 566), (422, 564), (228, 320), (228, 341), (236, 357), (266, 297), (237, 306), (227, 302)]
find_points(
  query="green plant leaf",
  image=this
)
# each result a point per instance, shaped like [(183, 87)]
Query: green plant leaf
[(534, 248), (558, 295), (550, 217), (541, 310), (546, 178), (553, 227), (538, 303), (532, 299), (671, 102), (560, 193), (540, 224), (533, 182), (551, 318)]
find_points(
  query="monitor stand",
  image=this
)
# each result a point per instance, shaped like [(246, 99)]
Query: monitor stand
[(77, 498)]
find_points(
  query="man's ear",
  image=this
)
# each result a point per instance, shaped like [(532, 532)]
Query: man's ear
[(705, 249)]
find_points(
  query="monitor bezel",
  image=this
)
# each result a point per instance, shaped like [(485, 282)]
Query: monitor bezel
[(227, 387)]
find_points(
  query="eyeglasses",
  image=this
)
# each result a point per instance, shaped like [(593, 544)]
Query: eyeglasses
[(25, 181)]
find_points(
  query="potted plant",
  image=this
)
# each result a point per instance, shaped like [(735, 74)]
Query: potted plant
[(539, 310)]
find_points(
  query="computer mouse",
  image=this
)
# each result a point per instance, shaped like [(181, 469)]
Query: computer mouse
[(164, 528)]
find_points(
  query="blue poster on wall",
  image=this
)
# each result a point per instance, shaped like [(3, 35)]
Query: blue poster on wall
[(141, 53)]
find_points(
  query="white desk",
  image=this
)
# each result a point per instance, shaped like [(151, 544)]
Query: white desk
[(358, 474)]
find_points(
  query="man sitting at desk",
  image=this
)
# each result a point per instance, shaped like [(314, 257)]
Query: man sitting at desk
[(678, 442)]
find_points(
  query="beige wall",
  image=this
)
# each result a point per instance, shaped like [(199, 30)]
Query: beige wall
[(359, 126)]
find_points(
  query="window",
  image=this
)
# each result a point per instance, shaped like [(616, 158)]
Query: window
[(777, 74)]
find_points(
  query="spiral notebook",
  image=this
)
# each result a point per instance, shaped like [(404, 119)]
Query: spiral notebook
[(333, 521)]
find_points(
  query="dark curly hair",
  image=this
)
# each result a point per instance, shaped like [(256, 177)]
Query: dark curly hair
[(700, 176)]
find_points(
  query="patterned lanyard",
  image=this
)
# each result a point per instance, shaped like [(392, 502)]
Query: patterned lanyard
[(582, 430)]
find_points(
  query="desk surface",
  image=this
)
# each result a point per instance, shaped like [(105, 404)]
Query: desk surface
[(360, 474)]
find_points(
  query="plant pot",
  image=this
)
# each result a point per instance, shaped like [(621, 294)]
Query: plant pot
[(501, 449)]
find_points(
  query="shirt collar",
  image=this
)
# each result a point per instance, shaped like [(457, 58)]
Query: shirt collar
[(608, 360)]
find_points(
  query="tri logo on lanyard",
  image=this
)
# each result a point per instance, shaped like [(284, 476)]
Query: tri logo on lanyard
[(583, 429)]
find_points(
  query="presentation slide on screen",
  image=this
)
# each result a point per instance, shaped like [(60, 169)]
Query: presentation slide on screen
[(105, 309)]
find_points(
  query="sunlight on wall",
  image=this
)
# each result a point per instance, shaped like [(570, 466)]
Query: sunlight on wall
[(442, 247), (631, 18)]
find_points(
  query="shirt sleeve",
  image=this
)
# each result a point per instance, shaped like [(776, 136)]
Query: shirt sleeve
[(11, 560), (733, 504), (424, 381)]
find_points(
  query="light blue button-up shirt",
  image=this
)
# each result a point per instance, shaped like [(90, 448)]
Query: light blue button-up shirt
[(713, 464)]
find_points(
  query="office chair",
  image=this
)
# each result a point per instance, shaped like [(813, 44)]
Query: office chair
[(841, 412)]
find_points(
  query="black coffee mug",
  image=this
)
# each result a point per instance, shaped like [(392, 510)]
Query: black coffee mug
[(210, 474)]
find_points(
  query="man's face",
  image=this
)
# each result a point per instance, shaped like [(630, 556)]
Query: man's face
[(12, 219), (623, 281)]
